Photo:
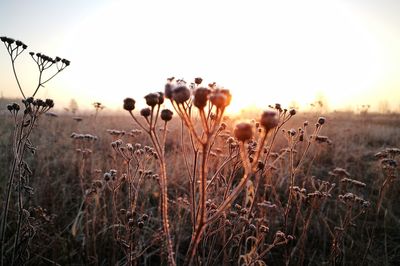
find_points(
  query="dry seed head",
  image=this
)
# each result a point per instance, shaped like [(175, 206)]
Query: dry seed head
[(129, 104), (264, 229), (166, 115), (181, 94), (269, 119), (292, 132), (221, 98), (198, 80), (145, 112), (321, 120), (243, 131), (152, 99), (340, 172), (201, 97)]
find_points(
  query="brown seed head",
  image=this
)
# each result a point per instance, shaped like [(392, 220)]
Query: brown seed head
[(181, 94), (152, 99), (166, 115), (145, 112), (243, 131), (269, 120), (201, 97), (129, 104), (198, 81)]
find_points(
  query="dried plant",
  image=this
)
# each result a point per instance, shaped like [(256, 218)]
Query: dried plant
[(24, 122)]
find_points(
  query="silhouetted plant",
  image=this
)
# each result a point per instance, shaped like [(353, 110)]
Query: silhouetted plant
[(24, 122)]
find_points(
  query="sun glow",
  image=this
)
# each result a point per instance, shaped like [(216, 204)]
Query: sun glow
[(264, 52)]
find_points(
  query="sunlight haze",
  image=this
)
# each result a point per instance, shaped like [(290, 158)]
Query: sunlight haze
[(264, 51)]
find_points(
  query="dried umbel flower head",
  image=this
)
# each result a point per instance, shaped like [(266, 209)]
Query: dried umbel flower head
[(145, 112), (181, 94), (152, 99), (166, 115), (201, 97), (269, 119), (340, 172), (292, 112), (243, 131), (129, 104)]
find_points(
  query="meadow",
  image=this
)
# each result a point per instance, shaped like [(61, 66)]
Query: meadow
[(182, 182)]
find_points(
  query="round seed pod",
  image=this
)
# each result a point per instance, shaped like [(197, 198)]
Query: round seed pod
[(198, 80), (181, 94), (49, 103), (145, 112), (269, 120), (129, 104), (243, 131), (166, 115), (201, 97), (218, 99), (321, 120), (292, 112), (152, 99)]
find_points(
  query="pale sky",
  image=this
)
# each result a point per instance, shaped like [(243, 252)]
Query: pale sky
[(264, 51)]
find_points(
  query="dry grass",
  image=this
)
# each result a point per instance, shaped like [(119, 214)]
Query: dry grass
[(57, 167)]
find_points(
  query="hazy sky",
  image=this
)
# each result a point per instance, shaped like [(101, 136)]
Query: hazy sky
[(264, 51)]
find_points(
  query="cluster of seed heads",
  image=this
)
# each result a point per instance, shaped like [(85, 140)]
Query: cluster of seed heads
[(388, 153), (129, 150), (323, 139), (353, 182), (350, 199), (86, 137), (389, 163), (267, 204), (32, 106), (116, 133), (13, 108), (110, 175), (339, 172), (129, 218), (281, 238), (135, 132), (10, 41), (42, 59), (85, 152)]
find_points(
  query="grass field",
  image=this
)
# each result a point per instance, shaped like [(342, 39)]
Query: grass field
[(97, 200)]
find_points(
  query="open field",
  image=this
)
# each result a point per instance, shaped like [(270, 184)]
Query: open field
[(90, 203)]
